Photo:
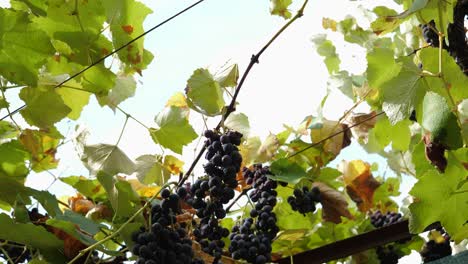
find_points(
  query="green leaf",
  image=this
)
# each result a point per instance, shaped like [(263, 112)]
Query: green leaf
[(76, 100), (353, 33), (70, 229), (403, 93), (107, 158), (44, 106), (326, 49), (229, 77), (381, 67), (120, 194), (385, 133), (24, 48), (440, 121), (441, 12), (126, 23), (289, 219), (34, 236), (42, 144), (85, 224), (441, 197), (124, 88), (205, 93), (7, 130), (421, 164), (238, 122), (13, 160), (454, 79), (149, 170), (287, 171), (87, 187), (98, 80), (343, 82), (174, 130), (280, 8)]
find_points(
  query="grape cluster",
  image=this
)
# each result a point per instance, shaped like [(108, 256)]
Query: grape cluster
[(379, 220), (304, 200), (17, 252), (166, 241), (387, 254), (254, 247), (208, 195), (457, 35), (433, 249), (251, 240), (430, 34)]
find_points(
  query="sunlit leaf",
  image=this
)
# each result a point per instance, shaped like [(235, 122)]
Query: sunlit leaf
[(174, 130), (107, 158), (205, 93)]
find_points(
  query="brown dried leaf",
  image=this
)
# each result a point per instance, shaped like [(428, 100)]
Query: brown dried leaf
[(335, 144), (333, 203), (361, 131), (360, 184), (207, 258), (435, 153)]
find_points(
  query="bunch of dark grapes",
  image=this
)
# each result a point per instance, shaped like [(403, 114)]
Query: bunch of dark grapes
[(166, 241), (458, 45), (251, 240), (387, 254), (379, 220), (304, 200), (433, 249), (17, 252), (246, 244), (431, 35), (210, 194)]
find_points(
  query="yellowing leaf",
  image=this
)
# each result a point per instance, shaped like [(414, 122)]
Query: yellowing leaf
[(328, 23), (177, 100), (336, 143), (42, 146), (280, 8), (144, 190), (360, 184), (173, 164)]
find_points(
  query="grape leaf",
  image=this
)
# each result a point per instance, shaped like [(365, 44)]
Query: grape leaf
[(441, 197), (403, 93), (87, 187), (123, 15), (98, 80), (120, 194), (34, 236), (204, 93), (353, 33), (334, 204), (123, 89), (107, 158), (455, 81), (335, 144), (381, 67), (7, 130), (76, 100), (287, 171), (45, 106), (360, 184), (42, 145), (174, 130), (149, 170), (238, 122), (421, 164), (385, 133), (343, 82), (280, 8), (439, 121), (72, 230), (229, 77), (13, 160), (326, 49), (24, 48), (11, 189)]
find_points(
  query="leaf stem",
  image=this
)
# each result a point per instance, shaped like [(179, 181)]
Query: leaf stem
[(231, 108), (131, 116), (122, 131), (116, 232)]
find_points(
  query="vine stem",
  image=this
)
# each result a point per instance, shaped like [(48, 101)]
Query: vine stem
[(112, 53), (333, 135), (116, 232), (231, 108)]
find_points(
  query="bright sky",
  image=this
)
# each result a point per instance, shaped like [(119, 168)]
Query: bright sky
[(286, 86)]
